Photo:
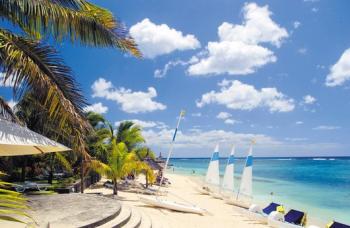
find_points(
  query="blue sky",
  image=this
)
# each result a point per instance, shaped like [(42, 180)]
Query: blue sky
[(273, 71)]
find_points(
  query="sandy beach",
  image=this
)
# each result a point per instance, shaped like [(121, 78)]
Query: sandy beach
[(182, 189)]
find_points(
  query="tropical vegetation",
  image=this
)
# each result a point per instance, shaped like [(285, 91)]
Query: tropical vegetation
[(117, 151), (50, 100)]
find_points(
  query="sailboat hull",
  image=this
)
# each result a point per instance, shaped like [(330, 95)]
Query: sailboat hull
[(216, 195), (238, 203), (203, 190), (171, 205)]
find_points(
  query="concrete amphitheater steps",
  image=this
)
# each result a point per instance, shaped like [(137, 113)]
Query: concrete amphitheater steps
[(146, 221), (135, 220), (121, 220)]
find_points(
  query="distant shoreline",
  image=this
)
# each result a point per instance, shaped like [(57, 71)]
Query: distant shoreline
[(295, 158)]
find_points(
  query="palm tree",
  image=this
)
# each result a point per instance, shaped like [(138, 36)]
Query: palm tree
[(143, 153), (31, 65), (120, 163), (129, 133)]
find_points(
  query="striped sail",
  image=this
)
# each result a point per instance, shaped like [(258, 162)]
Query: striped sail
[(228, 181), (246, 187), (212, 176)]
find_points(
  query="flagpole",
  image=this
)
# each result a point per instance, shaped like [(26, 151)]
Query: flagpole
[(182, 113)]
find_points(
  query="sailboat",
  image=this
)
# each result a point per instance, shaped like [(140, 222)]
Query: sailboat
[(227, 187), (165, 203), (244, 195), (212, 178)]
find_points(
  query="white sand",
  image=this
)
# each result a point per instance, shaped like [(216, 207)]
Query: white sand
[(182, 189)]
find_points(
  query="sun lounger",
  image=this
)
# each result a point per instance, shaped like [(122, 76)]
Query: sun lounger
[(295, 217), (292, 219), (337, 225), (28, 185), (256, 213), (270, 208)]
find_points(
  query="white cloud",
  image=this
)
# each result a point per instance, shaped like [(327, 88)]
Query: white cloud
[(299, 122), (223, 115), (198, 142), (295, 139), (97, 107), (237, 95), (197, 114), (239, 50), (197, 138), (230, 121), (296, 24), (154, 40), (314, 10), (160, 73), (130, 101), (302, 51), (340, 71), (308, 99), (146, 124), (326, 127)]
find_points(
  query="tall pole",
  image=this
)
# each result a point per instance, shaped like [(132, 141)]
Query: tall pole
[(182, 114)]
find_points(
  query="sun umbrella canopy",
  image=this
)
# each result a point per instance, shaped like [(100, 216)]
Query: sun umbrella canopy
[(17, 140), (154, 165)]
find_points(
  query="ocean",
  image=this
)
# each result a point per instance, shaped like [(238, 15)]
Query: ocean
[(318, 186)]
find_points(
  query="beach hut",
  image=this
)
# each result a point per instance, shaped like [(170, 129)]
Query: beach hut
[(17, 140)]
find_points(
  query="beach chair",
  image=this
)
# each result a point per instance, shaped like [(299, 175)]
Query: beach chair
[(272, 207), (28, 185), (256, 213), (337, 225), (293, 219)]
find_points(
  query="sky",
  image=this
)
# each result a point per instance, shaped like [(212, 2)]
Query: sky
[(277, 72)]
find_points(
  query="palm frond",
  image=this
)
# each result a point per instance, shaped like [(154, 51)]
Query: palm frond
[(6, 112), (63, 161), (76, 20), (99, 167), (13, 205), (35, 66)]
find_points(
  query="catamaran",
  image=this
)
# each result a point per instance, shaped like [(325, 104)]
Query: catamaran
[(212, 178), (165, 203), (244, 197), (227, 187)]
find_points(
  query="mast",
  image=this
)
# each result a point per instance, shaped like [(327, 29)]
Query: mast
[(182, 114)]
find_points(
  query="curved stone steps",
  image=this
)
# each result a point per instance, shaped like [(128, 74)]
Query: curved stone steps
[(121, 220), (146, 221), (135, 220)]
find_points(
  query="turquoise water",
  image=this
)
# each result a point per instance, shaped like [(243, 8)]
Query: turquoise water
[(319, 186)]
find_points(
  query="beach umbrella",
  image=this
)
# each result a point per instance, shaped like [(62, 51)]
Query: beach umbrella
[(17, 140), (153, 164)]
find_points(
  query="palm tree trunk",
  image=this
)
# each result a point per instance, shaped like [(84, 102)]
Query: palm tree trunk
[(82, 175), (115, 187), (146, 179)]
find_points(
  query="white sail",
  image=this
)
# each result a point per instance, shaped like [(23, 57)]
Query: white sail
[(213, 176), (228, 181), (246, 188)]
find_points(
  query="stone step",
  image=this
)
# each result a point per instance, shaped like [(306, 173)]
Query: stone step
[(146, 221), (135, 219), (121, 220)]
